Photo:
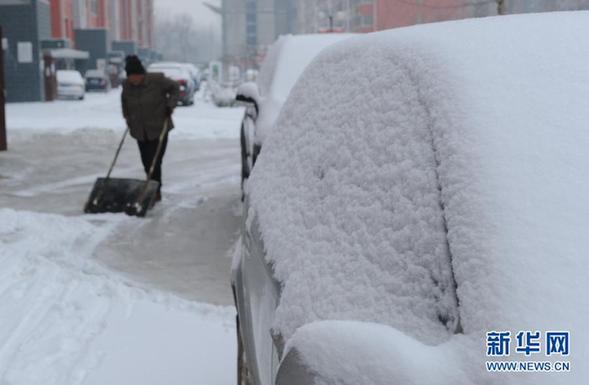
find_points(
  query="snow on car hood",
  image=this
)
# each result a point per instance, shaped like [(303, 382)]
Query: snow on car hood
[(494, 113)]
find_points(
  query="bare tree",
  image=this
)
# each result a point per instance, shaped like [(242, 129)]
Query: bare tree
[(179, 38)]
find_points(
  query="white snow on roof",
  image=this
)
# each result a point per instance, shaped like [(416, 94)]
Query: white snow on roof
[(69, 76), (286, 59), (346, 188)]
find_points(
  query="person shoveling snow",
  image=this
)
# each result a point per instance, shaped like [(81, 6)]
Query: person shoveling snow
[(148, 101)]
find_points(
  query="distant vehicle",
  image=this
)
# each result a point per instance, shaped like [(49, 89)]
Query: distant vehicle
[(70, 85), (195, 73), (223, 95), (286, 60), (191, 68), (251, 75), (416, 196), (233, 76), (182, 77), (97, 80)]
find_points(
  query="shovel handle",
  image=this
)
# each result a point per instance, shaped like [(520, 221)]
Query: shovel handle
[(114, 161)]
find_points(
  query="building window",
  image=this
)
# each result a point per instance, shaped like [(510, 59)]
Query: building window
[(94, 6), (367, 21), (251, 23)]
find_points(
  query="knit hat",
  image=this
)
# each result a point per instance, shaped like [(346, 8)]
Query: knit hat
[(133, 65)]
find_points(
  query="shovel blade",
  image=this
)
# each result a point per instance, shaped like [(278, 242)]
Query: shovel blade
[(118, 195)]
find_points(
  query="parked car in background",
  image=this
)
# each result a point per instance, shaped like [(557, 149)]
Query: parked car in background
[(286, 60), (191, 68), (423, 191), (116, 66), (97, 80), (70, 84), (182, 77), (222, 95), (195, 73), (251, 75)]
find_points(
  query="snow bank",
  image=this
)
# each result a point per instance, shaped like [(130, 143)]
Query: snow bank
[(493, 112), (103, 112), (287, 58), (65, 320)]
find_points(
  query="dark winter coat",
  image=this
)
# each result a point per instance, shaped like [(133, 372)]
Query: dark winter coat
[(146, 106)]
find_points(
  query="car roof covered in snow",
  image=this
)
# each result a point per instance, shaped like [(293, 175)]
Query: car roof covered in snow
[(409, 159), (69, 76), (172, 72), (286, 59), (96, 74)]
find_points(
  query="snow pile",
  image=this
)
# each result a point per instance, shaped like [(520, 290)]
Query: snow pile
[(249, 90), (103, 111), (346, 189), (287, 58), (64, 320)]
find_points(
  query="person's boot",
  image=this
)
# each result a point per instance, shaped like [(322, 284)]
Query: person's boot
[(158, 196)]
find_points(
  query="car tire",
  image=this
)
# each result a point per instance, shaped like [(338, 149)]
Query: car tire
[(243, 377)]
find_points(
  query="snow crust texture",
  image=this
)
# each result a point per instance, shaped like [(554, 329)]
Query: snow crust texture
[(286, 60), (482, 123), (348, 200)]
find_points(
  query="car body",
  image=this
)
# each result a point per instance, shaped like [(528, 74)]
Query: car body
[(116, 67), (195, 73), (97, 80), (286, 60), (70, 84), (191, 68), (419, 193), (182, 77)]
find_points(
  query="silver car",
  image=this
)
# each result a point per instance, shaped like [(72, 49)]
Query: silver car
[(420, 195)]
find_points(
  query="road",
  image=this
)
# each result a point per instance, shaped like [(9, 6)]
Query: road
[(185, 244), (153, 293)]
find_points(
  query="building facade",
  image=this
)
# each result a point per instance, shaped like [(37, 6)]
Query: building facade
[(250, 26), (125, 20), (134, 21), (62, 20), (33, 28), (25, 24), (400, 13)]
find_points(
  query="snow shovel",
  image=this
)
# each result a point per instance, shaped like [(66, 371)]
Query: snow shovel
[(131, 196)]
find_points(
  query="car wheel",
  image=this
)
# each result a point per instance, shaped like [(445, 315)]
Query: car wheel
[(243, 377)]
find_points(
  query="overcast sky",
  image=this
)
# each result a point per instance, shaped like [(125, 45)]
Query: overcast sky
[(201, 14)]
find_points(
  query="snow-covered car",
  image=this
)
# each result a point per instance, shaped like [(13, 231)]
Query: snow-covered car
[(182, 77), (97, 80), (222, 95), (419, 213), (191, 68), (286, 60), (70, 85)]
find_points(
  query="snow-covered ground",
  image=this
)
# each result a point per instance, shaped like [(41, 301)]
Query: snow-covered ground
[(109, 299)]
